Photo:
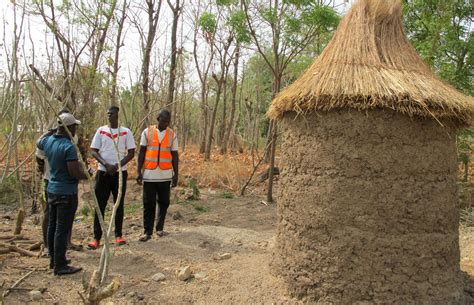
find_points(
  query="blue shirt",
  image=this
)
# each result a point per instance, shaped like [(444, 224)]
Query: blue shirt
[(59, 150)]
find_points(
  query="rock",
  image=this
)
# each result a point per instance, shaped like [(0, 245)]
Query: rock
[(35, 295), (158, 277), (223, 256), (131, 294), (185, 273), (140, 296), (200, 275)]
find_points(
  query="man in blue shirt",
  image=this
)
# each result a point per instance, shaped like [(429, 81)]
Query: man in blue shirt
[(65, 172)]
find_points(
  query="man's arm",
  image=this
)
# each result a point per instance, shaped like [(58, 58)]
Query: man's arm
[(128, 157), (175, 161), (40, 165), (74, 168), (111, 169), (141, 160)]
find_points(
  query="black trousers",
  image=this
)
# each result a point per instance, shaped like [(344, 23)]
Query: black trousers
[(154, 192), (104, 185), (45, 224), (62, 209)]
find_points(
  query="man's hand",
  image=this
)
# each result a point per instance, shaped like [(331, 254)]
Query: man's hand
[(139, 179), (110, 169), (174, 182)]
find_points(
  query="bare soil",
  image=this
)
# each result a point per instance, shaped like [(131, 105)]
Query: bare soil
[(199, 231)]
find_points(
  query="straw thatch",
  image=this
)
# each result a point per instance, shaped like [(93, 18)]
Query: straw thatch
[(370, 64)]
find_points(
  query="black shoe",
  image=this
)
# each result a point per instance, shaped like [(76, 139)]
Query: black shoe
[(145, 237), (51, 265), (67, 270)]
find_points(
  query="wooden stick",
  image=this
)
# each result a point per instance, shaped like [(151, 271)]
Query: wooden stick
[(11, 237), (7, 291), (14, 248), (42, 289)]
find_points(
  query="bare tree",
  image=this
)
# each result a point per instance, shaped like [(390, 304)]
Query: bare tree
[(176, 9), (153, 12)]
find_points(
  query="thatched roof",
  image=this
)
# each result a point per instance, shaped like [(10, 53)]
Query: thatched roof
[(370, 64)]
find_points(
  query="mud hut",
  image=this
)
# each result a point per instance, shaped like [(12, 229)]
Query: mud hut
[(367, 200)]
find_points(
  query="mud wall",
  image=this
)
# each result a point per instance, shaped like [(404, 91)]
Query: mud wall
[(368, 211)]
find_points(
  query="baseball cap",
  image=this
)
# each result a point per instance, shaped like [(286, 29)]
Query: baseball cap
[(68, 119)]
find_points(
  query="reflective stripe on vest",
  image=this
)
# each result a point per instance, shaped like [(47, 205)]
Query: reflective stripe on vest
[(158, 154)]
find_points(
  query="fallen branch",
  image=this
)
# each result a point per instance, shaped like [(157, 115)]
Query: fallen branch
[(7, 291), (14, 248), (11, 237), (42, 289)]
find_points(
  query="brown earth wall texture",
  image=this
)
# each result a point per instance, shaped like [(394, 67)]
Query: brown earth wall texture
[(368, 209)]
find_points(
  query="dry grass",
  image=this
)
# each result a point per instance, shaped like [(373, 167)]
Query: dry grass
[(227, 172), (370, 64)]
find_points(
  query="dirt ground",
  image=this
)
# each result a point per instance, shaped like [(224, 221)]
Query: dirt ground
[(199, 231)]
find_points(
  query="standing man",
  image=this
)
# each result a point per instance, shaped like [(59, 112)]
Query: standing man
[(107, 178), (65, 171), (43, 169), (159, 157)]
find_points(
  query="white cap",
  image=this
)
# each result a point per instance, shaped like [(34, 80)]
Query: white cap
[(68, 119)]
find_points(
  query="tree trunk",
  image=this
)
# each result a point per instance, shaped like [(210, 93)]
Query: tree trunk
[(230, 129), (152, 24), (172, 78), (276, 89), (118, 45), (207, 153)]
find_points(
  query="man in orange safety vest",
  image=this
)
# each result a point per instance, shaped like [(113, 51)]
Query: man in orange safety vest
[(158, 170)]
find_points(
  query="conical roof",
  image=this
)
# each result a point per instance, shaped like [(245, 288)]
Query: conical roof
[(370, 64)]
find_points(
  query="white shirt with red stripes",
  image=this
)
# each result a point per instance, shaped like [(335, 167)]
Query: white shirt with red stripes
[(103, 142)]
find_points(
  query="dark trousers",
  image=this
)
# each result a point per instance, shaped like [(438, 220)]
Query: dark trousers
[(45, 224), (154, 192), (62, 209), (104, 185)]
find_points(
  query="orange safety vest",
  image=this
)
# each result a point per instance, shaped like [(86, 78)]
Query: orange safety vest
[(158, 154)]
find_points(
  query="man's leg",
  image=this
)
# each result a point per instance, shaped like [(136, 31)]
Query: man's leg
[(45, 224), (120, 208), (102, 192), (149, 206), (66, 207), (163, 203), (51, 227)]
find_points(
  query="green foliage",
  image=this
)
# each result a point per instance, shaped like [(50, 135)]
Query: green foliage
[(225, 2), (196, 192), (228, 195), (85, 210), (132, 207), (441, 33), (208, 22), (321, 16), (196, 206), (269, 15), (200, 208), (238, 23)]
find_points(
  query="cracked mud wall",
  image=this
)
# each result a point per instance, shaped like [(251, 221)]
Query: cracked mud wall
[(367, 206)]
